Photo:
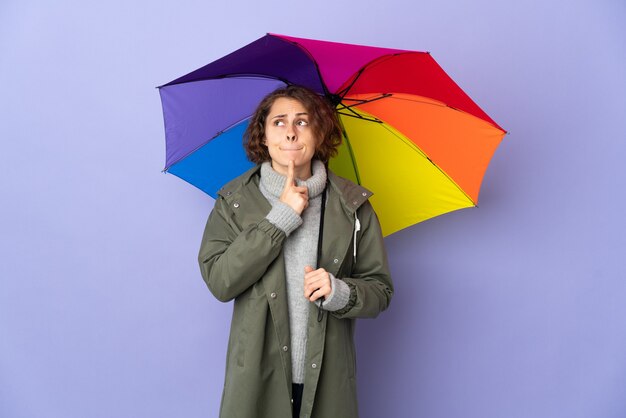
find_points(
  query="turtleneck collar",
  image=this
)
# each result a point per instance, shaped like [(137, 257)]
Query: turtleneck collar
[(275, 182)]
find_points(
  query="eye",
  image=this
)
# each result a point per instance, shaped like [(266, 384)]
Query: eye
[(279, 122), (302, 122)]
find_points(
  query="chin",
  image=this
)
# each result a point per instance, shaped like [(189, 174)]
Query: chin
[(298, 160)]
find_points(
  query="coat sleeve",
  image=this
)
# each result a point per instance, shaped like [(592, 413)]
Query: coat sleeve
[(371, 288), (231, 260)]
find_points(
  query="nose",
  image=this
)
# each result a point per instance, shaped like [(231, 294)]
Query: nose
[(291, 134)]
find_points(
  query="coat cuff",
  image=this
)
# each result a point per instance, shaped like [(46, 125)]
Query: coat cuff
[(284, 217), (339, 295), (351, 301)]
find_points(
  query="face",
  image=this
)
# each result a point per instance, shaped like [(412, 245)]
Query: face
[(289, 137)]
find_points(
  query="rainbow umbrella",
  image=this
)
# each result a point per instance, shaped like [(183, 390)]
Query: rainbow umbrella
[(412, 136)]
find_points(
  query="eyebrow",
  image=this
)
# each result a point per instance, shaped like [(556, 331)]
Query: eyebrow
[(282, 116)]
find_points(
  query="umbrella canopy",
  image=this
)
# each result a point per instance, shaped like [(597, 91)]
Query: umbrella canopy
[(411, 135)]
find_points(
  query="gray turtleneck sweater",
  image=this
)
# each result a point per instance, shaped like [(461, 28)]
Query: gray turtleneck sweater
[(300, 250)]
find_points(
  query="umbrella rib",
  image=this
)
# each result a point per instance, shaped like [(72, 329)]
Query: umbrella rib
[(363, 101), (312, 58), (350, 152), (433, 102), (343, 92), (378, 60), (231, 75), (351, 111), (359, 116), (358, 102), (251, 75), (353, 158)]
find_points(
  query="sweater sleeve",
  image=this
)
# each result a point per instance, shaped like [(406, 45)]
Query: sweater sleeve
[(284, 217), (339, 295)]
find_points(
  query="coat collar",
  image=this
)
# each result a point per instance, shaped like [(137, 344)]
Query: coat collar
[(351, 195)]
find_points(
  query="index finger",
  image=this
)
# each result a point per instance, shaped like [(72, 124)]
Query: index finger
[(290, 174)]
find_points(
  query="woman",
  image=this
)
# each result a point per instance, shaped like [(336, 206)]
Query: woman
[(299, 275)]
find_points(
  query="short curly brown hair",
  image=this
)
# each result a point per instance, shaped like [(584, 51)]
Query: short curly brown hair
[(322, 117)]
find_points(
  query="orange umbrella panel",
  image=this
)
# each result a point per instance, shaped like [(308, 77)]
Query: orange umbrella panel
[(419, 157)]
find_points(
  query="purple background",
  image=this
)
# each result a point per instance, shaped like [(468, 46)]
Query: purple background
[(515, 309)]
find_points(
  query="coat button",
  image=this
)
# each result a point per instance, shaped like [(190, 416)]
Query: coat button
[(336, 260), (314, 366), (354, 202), (364, 194), (285, 348), (236, 204), (273, 295), (229, 193)]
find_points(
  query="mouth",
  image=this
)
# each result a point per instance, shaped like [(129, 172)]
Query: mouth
[(291, 149)]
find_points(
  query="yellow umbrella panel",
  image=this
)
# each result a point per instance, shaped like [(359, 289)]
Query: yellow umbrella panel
[(419, 157)]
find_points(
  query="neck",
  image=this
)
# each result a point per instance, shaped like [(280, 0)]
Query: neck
[(302, 172), (274, 182)]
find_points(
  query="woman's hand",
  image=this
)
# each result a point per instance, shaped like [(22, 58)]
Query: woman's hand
[(316, 283), (296, 197)]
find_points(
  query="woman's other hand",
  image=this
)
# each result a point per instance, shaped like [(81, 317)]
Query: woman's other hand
[(316, 283), (293, 195)]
